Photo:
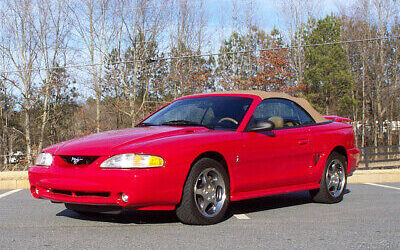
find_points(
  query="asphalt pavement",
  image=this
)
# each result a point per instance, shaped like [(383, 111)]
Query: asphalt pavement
[(3, 191), (367, 218)]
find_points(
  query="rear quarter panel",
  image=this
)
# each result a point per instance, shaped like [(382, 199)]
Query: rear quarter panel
[(324, 138)]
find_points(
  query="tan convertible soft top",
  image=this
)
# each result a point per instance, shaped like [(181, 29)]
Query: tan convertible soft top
[(266, 95)]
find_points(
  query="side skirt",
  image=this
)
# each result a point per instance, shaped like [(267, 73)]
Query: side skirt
[(272, 191)]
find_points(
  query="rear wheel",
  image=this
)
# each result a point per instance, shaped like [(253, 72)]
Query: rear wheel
[(205, 197), (333, 181)]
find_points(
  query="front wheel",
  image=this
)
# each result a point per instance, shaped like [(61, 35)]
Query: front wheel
[(333, 181), (205, 197)]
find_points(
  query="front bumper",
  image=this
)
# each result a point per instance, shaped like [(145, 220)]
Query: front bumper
[(147, 189)]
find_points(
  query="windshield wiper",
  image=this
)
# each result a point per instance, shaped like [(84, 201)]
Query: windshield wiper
[(185, 123), (145, 124)]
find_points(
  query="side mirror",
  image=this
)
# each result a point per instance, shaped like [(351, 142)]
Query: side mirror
[(263, 126)]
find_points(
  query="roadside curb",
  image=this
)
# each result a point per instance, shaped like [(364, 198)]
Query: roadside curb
[(14, 180), (19, 179), (376, 176)]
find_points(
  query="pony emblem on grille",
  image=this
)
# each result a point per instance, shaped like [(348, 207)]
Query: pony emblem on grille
[(76, 160)]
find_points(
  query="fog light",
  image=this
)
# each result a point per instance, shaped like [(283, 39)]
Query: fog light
[(124, 197), (37, 191)]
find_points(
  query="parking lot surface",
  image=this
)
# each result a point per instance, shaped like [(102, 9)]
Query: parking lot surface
[(367, 218)]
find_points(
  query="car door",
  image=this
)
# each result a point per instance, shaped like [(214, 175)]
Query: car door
[(282, 156)]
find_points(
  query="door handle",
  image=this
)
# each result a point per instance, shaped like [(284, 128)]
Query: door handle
[(303, 141)]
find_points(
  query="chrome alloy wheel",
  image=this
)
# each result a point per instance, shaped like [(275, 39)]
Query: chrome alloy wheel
[(210, 192), (335, 178)]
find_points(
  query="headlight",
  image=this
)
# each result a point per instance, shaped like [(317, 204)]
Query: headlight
[(44, 159), (133, 161)]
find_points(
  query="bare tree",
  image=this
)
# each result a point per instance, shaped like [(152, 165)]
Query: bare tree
[(385, 10), (53, 31), (373, 64), (90, 18), (295, 14), (187, 39), (142, 23), (22, 51)]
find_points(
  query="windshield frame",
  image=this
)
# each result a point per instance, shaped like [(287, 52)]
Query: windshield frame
[(242, 124)]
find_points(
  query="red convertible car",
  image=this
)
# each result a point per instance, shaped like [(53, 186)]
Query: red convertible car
[(198, 154)]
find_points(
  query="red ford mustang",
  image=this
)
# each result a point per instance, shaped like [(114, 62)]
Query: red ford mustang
[(198, 154)]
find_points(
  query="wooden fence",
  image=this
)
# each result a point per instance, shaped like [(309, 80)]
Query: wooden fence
[(380, 157)]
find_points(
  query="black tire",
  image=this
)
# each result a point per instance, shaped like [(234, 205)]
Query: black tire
[(187, 210), (323, 195)]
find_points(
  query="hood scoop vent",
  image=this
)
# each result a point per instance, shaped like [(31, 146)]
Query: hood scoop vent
[(79, 160)]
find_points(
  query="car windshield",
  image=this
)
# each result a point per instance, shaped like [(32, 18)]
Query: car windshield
[(214, 112)]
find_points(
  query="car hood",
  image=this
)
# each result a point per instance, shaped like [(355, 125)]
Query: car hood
[(102, 144)]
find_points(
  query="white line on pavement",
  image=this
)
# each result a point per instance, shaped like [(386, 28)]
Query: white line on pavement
[(9, 192), (380, 185), (242, 217)]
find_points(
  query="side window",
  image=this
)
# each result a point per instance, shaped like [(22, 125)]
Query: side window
[(284, 113), (303, 116)]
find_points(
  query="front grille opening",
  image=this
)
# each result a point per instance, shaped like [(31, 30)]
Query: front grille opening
[(79, 160), (64, 192), (80, 193), (101, 194)]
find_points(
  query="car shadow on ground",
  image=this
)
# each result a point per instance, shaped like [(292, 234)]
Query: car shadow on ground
[(273, 202), (270, 202), (125, 217), (162, 217)]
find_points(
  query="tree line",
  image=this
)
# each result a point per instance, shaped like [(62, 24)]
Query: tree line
[(70, 68)]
